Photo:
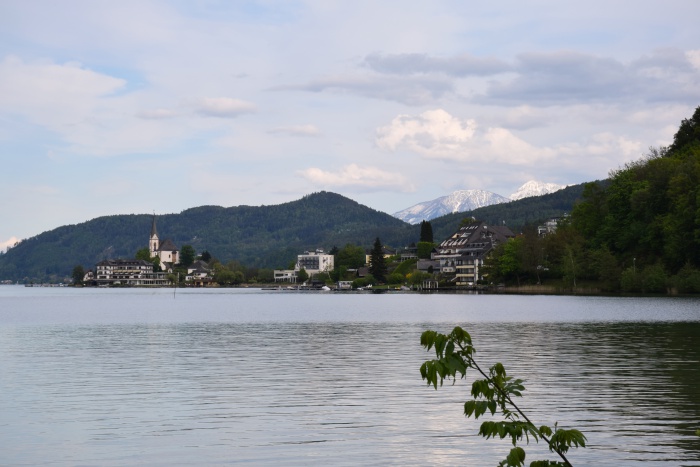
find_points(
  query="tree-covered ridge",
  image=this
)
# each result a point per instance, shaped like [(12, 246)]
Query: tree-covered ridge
[(264, 236), (650, 212), (257, 236), (639, 232)]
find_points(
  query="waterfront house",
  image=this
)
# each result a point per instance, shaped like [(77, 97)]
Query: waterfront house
[(285, 275), (199, 274), (314, 262), (462, 254), (128, 272)]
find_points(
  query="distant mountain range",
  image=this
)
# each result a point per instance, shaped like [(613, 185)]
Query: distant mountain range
[(468, 200)]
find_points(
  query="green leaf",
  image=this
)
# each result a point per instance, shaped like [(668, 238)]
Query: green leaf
[(427, 339), (492, 407), (516, 457), (469, 408), (562, 440)]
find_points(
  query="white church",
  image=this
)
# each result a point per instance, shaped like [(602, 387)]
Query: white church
[(166, 251)]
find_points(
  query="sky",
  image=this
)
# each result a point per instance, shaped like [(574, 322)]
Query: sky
[(140, 107)]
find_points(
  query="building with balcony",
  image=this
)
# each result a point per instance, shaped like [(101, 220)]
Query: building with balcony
[(314, 262), (128, 272), (462, 254)]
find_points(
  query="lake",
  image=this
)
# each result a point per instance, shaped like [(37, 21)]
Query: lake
[(241, 376)]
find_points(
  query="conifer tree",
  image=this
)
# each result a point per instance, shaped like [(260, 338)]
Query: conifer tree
[(377, 265), (426, 232)]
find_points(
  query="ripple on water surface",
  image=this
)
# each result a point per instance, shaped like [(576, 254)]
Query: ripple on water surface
[(268, 390)]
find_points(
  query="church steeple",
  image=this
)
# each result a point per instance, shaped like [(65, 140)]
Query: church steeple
[(154, 242)]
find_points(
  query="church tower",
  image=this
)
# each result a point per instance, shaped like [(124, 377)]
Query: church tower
[(154, 243)]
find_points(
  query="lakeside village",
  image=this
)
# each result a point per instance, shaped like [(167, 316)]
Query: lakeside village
[(455, 262)]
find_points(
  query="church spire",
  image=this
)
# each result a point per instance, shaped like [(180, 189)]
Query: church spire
[(154, 232), (153, 243)]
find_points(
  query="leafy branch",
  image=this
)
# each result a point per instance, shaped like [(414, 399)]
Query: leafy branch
[(493, 393)]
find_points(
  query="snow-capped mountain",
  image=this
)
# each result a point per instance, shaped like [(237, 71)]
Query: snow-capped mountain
[(458, 201), (467, 200), (534, 188)]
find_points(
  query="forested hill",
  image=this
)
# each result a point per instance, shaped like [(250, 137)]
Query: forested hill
[(258, 236), (516, 214), (262, 236)]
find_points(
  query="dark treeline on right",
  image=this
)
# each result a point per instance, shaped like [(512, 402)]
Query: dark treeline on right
[(639, 232)]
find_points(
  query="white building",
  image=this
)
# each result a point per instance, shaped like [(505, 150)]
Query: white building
[(166, 251), (314, 262), (128, 272), (463, 253), (285, 275)]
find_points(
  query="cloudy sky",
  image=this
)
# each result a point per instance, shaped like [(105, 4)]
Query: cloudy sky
[(120, 107)]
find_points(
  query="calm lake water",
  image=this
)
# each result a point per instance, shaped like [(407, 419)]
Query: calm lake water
[(218, 377)]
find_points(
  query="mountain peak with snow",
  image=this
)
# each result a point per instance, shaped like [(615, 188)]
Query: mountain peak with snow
[(535, 188), (468, 200), (457, 201)]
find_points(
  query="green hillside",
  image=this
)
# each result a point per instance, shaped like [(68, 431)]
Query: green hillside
[(262, 236), (638, 232), (257, 236)]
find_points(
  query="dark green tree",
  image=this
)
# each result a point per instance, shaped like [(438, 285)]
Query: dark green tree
[(156, 264), (78, 275), (187, 255), (266, 276), (227, 277), (504, 263), (350, 256), (302, 276), (377, 266), (339, 273), (424, 249), (395, 279), (206, 256), (426, 232), (688, 133), (144, 254)]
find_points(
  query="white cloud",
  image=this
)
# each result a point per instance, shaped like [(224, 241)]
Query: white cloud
[(296, 130), (95, 114), (606, 145), (413, 63), (54, 95), (552, 77), (693, 57), (405, 90), (223, 107), (358, 178), (504, 146), (157, 114), (434, 133), (91, 113), (546, 78)]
